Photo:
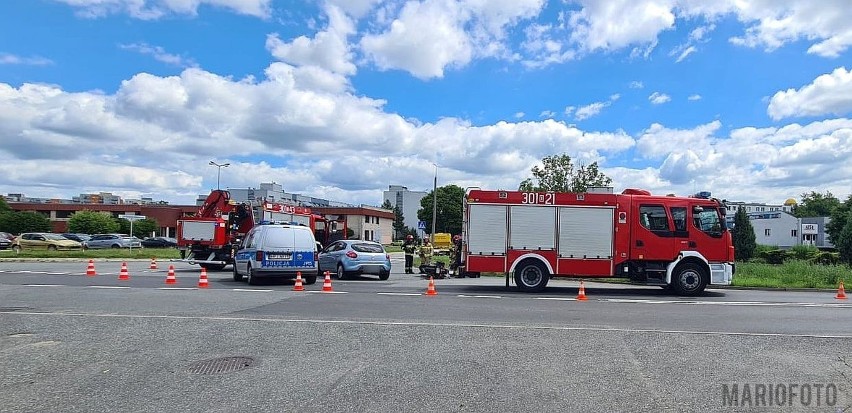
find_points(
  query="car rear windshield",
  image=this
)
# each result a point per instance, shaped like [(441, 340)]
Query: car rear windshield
[(288, 238), (367, 248)]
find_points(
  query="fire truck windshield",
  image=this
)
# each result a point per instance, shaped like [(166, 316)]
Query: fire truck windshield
[(707, 219)]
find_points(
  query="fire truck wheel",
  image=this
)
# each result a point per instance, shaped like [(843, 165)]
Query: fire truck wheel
[(531, 275), (237, 276), (310, 279), (689, 279)]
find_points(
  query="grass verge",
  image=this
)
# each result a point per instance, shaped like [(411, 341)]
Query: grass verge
[(137, 253), (791, 274)]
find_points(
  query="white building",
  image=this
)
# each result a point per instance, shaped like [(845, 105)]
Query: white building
[(407, 201)]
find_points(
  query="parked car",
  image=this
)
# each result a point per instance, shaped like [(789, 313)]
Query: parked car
[(45, 241), (77, 237), (355, 257), (6, 240), (279, 251), (112, 241), (159, 242)]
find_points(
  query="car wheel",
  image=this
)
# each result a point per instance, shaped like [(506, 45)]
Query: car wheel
[(310, 279), (340, 273), (251, 277), (115, 246), (51, 247), (689, 279), (384, 275), (237, 276), (531, 276)]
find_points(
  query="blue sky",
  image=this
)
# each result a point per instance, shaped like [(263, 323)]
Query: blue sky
[(341, 98)]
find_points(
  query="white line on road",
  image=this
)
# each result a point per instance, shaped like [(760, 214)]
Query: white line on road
[(555, 299), (328, 292), (251, 290), (424, 324), (178, 288), (110, 287), (478, 296), (730, 303), (43, 285), (409, 294)]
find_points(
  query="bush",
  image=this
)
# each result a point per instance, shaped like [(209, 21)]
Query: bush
[(825, 258), (803, 252), (775, 256)]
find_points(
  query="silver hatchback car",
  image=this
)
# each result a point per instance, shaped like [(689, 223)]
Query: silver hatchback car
[(352, 256)]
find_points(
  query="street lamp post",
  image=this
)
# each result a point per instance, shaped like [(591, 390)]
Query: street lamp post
[(219, 171), (434, 202)]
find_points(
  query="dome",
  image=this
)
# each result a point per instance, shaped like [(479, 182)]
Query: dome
[(790, 202)]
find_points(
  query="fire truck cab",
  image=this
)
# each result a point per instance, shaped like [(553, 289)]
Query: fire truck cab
[(680, 243)]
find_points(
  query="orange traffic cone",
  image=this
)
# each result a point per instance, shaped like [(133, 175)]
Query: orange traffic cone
[(153, 265), (298, 286), (123, 275), (170, 277), (581, 296), (430, 290), (202, 280), (326, 285), (90, 270), (841, 292)]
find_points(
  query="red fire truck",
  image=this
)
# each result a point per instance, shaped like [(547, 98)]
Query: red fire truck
[(680, 243), (211, 237)]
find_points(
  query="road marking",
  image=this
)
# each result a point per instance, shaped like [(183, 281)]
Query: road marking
[(409, 294), (178, 288), (478, 296), (328, 292), (43, 285), (111, 287), (729, 303), (426, 324), (251, 290), (555, 299)]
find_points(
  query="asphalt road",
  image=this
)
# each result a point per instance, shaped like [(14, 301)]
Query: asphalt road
[(72, 343)]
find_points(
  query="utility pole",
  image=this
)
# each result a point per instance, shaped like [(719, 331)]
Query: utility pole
[(219, 171), (434, 202)]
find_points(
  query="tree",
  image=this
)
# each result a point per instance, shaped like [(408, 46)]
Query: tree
[(559, 175), (743, 234), (398, 223), (839, 230), (4, 206), (92, 222), (26, 221), (387, 204), (142, 228), (816, 204), (449, 209)]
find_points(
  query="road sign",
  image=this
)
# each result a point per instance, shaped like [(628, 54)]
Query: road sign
[(421, 224), (132, 217)]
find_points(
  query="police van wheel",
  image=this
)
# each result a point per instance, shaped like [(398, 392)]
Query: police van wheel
[(310, 279), (531, 276), (251, 277), (689, 279), (237, 276)]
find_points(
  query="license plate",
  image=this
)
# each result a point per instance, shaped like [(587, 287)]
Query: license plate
[(278, 256)]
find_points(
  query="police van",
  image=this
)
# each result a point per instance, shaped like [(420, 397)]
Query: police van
[(276, 251)]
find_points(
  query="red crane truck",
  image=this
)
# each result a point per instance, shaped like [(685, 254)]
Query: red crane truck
[(212, 236), (680, 243)]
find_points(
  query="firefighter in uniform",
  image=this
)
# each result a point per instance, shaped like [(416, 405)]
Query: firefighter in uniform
[(409, 247), (426, 252), (455, 255)]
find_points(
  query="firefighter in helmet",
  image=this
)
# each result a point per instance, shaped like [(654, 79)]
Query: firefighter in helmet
[(426, 252), (455, 254), (409, 247)]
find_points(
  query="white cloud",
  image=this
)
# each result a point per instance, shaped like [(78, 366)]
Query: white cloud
[(519, 115), (328, 49), (159, 54), (613, 25), (428, 36), (828, 94), (547, 114), (636, 85), (10, 59), (658, 98), (694, 97), (155, 9), (592, 109)]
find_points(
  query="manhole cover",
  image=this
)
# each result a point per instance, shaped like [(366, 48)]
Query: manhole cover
[(221, 365)]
